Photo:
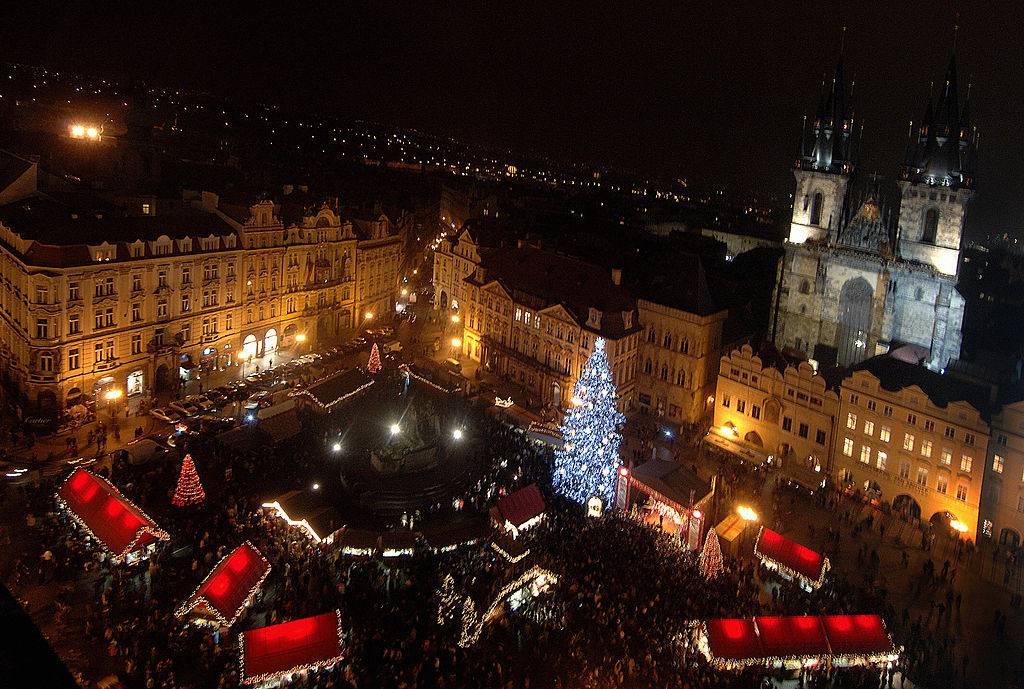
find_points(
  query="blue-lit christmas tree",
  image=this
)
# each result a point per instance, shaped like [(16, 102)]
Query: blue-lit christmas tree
[(589, 460)]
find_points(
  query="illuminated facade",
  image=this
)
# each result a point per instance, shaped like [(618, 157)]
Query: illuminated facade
[(777, 407), (678, 363), (1002, 499), (870, 263), (904, 436), (135, 296)]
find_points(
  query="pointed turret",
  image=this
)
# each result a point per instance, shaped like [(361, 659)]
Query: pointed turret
[(941, 154), (827, 146)]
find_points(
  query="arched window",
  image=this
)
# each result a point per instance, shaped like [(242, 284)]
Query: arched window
[(647, 367), (681, 377), (805, 287), (931, 226), (664, 372), (652, 336), (684, 347), (816, 209), (668, 341)]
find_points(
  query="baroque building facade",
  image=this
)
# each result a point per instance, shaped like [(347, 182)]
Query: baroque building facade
[(871, 263), (141, 293)]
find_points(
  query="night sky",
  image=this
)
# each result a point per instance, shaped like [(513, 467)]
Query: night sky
[(711, 91)]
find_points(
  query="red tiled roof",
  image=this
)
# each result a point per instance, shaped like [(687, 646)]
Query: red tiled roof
[(284, 648), (522, 505), (757, 639), (782, 551), (230, 585), (120, 526)]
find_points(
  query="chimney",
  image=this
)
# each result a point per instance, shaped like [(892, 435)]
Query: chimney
[(617, 276)]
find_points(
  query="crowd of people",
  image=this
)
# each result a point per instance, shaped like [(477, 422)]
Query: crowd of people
[(622, 614)]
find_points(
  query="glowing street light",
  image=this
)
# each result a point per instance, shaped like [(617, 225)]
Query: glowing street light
[(113, 395), (316, 486), (336, 447), (456, 342), (405, 292), (457, 434), (394, 428), (747, 514), (455, 318), (301, 337), (958, 525), (369, 315)]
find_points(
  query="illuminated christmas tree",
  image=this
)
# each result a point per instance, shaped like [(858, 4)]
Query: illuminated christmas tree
[(589, 459), (373, 365), (711, 556), (189, 490)]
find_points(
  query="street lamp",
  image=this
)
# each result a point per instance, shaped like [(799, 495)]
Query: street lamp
[(369, 315), (457, 434), (747, 514), (455, 318), (394, 428), (958, 526), (456, 342), (112, 396), (300, 338)]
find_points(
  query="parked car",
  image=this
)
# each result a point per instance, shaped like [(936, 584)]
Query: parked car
[(185, 408), (453, 365), (166, 414), (216, 424), (218, 398), (261, 400), (202, 401), (144, 450)]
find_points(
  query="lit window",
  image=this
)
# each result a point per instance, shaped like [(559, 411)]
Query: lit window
[(848, 447), (884, 434), (926, 448), (997, 464), (946, 458), (922, 476), (961, 492), (942, 484), (908, 442), (869, 428), (966, 461), (865, 454), (851, 420), (883, 461)]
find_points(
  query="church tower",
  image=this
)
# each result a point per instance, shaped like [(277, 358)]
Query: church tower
[(824, 164), (937, 179), (871, 264)]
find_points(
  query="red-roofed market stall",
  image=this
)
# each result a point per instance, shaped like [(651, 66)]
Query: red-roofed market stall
[(120, 527), (791, 559), (228, 588), (283, 649)]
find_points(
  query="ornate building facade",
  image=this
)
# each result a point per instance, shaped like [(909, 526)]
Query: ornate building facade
[(870, 263), (139, 293)]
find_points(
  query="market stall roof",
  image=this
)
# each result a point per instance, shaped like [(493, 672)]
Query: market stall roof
[(672, 483), (857, 635), (760, 639), (521, 506), (227, 589), (450, 535), (281, 649), (101, 509), (733, 639), (357, 540), (394, 543), (280, 421), (338, 388), (308, 511), (791, 556), (512, 549)]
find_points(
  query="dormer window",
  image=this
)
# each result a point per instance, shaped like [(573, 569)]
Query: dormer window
[(147, 209), (594, 318)]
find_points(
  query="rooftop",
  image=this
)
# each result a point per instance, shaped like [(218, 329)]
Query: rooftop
[(895, 374)]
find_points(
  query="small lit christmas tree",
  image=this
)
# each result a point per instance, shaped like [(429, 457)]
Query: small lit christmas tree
[(587, 463), (190, 490), (711, 556), (373, 365)]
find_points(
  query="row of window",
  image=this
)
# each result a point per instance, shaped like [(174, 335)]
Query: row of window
[(909, 440), (803, 430), (887, 411), (921, 478), (669, 341)]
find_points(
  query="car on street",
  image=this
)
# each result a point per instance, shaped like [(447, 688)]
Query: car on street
[(185, 408), (202, 401), (166, 414)]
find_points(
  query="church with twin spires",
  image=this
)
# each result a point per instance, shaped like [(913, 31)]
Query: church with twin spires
[(871, 263)]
